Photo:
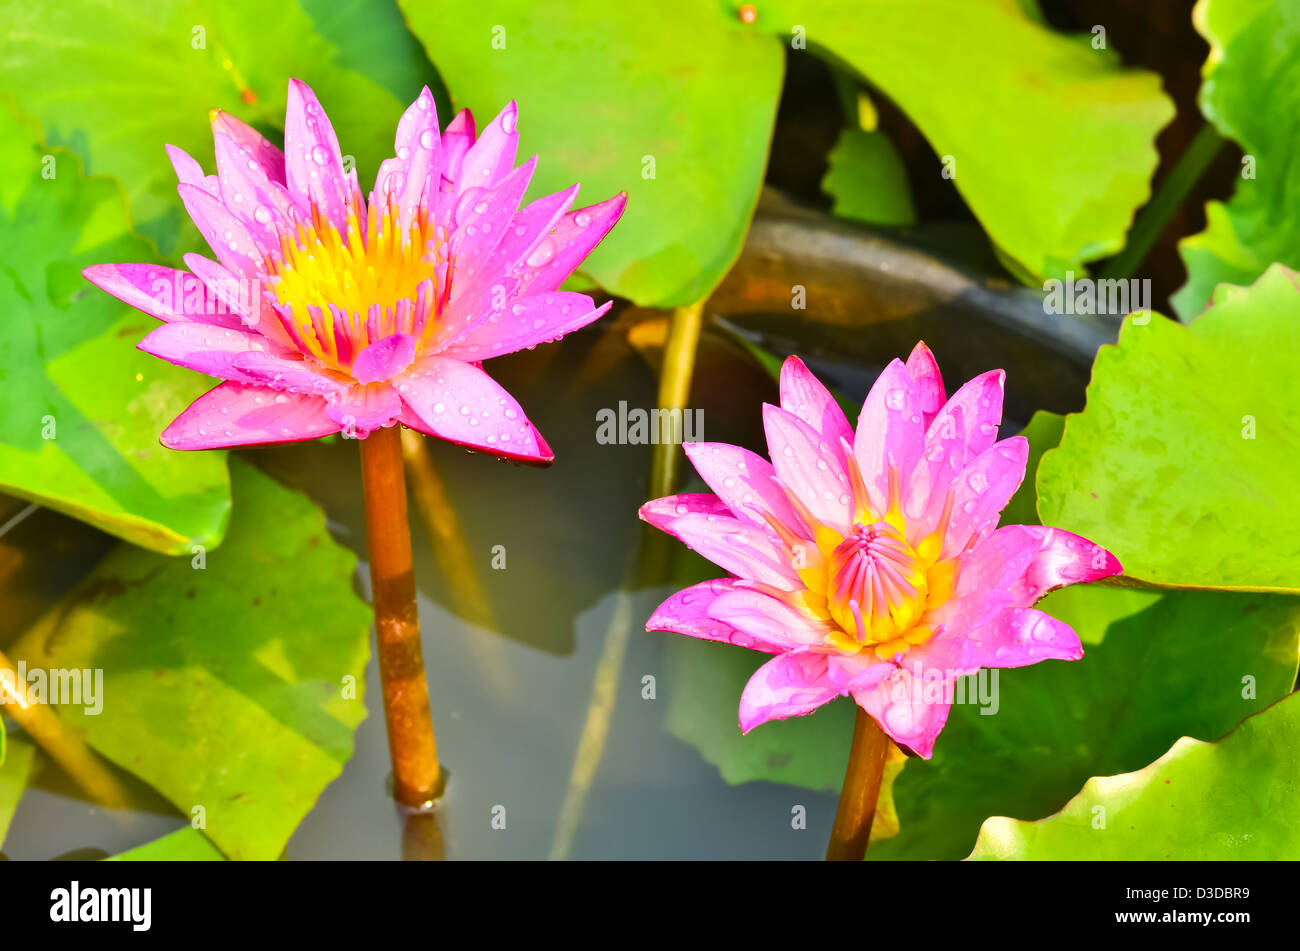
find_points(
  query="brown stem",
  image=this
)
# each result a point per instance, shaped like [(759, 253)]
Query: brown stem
[(862, 779), (397, 625), (67, 749)]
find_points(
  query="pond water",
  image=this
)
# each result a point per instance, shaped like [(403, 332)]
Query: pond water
[(510, 701)]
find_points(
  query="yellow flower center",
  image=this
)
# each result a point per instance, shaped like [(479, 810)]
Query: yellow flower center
[(344, 291)]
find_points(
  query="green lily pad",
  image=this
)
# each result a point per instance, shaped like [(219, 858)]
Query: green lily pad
[(673, 104), (867, 181), (1183, 461), (80, 407), (1051, 141), (1231, 800), (225, 686), (183, 845), (1157, 667), (16, 771), (1248, 95), (117, 82)]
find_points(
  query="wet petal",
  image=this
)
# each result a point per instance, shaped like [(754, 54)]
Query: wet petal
[(312, 160), (163, 292), (236, 414), (458, 402), (741, 548), (226, 235), (809, 467), (527, 322), (768, 619), (492, 156), (202, 347), (384, 358), (805, 396), (788, 685), (910, 710), (890, 433), (924, 370), (360, 410), (557, 256), (687, 612), (983, 491), (1017, 637), (743, 480)]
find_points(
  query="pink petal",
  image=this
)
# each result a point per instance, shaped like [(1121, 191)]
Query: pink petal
[(743, 480), (202, 347), (809, 467), (225, 234), (768, 619), (384, 358), (456, 141), (556, 256), (901, 706), (862, 671), (162, 292), (360, 410), (262, 204), (983, 491), (805, 396), (659, 512), (741, 548), (289, 373), (190, 172), (788, 685), (924, 370), (1014, 567), (890, 433), (527, 322), (313, 163), (493, 155), (687, 612), (257, 148), (236, 414), (973, 414), (458, 402), (240, 296), (1017, 637), (414, 178)]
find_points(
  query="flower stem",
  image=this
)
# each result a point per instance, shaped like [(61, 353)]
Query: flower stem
[(862, 780), (67, 749), (397, 625)]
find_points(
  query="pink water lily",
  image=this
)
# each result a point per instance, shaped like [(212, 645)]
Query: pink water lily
[(870, 562), (327, 311)]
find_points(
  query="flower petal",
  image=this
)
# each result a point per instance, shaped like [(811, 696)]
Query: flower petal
[(924, 369), (458, 402), (163, 292), (983, 491), (899, 704), (413, 179), (768, 619), (492, 156), (312, 161), (456, 141), (805, 396), (202, 347), (741, 548), (236, 414), (973, 413), (687, 612), (190, 172), (659, 512), (890, 434), (1017, 637), (809, 467), (384, 359), (226, 235), (556, 256), (788, 685), (255, 146), (527, 322), (743, 480), (248, 188), (360, 410)]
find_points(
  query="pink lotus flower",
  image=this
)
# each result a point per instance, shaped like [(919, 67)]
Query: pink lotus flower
[(326, 311), (870, 562)]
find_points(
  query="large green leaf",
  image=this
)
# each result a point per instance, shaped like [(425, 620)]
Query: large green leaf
[(1234, 799), (606, 89), (223, 687), (867, 181), (1157, 666), (1183, 461), (15, 771), (1052, 142), (1249, 93), (117, 81), (80, 407)]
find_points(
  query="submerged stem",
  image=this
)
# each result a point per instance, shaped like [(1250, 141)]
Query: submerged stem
[(862, 779), (646, 566), (66, 748), (397, 626)]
